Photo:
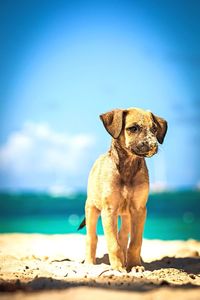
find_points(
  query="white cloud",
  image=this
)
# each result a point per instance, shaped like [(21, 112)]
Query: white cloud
[(37, 151)]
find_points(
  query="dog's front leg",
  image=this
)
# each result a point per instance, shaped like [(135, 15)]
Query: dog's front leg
[(138, 217), (123, 234), (116, 256)]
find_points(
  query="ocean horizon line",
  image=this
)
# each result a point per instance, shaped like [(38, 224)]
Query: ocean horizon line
[(28, 191)]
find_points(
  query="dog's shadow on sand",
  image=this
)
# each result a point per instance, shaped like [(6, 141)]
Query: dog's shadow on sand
[(190, 265), (103, 260), (186, 264)]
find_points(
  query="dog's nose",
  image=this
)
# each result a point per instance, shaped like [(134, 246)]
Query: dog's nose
[(143, 146), (146, 146)]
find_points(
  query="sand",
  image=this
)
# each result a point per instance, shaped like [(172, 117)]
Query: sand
[(35, 266)]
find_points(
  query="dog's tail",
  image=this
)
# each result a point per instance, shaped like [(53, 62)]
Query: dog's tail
[(83, 223)]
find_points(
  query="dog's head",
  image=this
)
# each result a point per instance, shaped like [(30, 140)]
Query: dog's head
[(137, 130)]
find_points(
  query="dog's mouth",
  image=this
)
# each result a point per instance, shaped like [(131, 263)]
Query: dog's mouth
[(148, 153)]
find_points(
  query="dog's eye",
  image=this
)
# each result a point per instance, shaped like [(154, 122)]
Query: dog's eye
[(134, 128)]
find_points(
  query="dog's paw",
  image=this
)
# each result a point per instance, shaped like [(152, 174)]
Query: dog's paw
[(120, 269), (137, 269)]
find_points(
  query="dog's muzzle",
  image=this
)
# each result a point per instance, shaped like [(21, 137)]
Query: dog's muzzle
[(146, 149)]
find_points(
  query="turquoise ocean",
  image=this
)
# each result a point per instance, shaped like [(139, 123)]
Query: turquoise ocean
[(171, 215)]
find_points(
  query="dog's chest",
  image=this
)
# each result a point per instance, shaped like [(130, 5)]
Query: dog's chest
[(125, 199)]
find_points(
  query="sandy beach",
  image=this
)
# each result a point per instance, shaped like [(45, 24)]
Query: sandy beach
[(37, 266)]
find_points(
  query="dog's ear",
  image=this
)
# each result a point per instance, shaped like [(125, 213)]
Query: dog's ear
[(113, 122), (161, 128)]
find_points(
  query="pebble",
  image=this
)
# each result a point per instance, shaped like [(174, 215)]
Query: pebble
[(192, 276)]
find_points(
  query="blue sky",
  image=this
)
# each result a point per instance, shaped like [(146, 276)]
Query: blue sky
[(62, 63)]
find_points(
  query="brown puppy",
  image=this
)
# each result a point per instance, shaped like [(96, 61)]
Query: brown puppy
[(119, 185)]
